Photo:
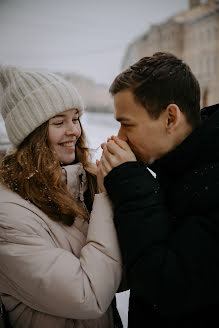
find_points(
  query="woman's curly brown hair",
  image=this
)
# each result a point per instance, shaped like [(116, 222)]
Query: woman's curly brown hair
[(34, 172)]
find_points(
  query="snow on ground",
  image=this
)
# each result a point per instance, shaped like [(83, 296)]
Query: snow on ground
[(4, 143)]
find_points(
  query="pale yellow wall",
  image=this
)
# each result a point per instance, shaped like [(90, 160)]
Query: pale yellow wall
[(192, 36)]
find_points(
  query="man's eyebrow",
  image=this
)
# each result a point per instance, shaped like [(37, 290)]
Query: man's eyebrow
[(119, 119)]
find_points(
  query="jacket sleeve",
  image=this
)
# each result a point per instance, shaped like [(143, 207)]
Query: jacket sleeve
[(51, 279), (173, 266)]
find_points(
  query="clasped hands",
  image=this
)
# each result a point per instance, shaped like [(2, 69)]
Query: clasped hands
[(115, 152)]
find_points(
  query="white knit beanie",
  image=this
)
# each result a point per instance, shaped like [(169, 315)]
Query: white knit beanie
[(31, 98)]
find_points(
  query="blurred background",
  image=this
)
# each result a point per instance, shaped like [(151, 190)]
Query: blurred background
[(90, 41)]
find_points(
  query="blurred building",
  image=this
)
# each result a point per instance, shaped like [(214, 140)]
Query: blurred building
[(95, 96), (193, 36)]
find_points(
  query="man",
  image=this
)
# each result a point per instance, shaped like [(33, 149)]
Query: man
[(168, 226)]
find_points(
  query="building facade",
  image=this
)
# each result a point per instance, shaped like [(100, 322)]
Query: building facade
[(193, 36)]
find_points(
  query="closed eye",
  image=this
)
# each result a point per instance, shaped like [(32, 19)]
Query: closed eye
[(58, 123), (125, 125)]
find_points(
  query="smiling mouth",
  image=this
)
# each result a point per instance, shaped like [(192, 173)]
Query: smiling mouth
[(67, 144)]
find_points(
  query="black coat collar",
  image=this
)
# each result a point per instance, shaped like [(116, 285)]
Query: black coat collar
[(201, 146)]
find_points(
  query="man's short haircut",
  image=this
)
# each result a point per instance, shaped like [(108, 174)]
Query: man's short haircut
[(160, 80)]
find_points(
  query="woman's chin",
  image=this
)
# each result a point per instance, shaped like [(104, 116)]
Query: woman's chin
[(66, 160)]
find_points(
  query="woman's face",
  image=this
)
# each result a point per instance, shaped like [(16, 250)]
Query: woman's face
[(64, 131)]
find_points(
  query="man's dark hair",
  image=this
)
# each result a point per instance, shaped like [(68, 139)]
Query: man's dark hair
[(160, 80)]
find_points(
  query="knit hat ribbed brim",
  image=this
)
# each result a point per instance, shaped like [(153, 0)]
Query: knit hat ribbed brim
[(31, 98)]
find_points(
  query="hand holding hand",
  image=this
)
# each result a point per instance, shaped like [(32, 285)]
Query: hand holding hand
[(115, 153)]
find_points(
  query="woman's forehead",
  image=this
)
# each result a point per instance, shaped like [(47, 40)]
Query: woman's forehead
[(72, 111)]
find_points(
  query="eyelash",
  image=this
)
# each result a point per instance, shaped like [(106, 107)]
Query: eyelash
[(61, 122), (126, 125)]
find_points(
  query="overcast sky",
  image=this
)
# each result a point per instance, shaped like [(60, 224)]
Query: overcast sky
[(83, 36)]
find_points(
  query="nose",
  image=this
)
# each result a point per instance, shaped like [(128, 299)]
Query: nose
[(122, 135), (72, 129)]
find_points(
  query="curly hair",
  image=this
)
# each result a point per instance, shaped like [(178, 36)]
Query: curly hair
[(34, 172)]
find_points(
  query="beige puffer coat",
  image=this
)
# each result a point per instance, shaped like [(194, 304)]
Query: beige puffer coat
[(50, 272)]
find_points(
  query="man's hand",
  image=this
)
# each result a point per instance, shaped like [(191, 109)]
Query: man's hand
[(115, 153)]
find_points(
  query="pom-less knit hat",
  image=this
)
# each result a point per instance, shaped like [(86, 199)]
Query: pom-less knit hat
[(28, 99)]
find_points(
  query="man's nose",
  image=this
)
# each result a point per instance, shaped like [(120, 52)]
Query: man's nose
[(122, 135)]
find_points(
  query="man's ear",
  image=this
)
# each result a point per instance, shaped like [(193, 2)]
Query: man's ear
[(173, 116)]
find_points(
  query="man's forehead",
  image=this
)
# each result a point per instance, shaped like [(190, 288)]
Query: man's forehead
[(126, 113)]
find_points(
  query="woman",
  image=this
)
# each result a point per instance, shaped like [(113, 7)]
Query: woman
[(60, 261)]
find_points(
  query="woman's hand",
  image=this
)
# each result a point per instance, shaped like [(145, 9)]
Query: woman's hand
[(100, 178), (115, 153)]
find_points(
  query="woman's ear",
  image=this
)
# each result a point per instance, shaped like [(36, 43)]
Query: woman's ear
[(173, 116)]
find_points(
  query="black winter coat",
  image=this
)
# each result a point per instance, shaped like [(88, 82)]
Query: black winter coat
[(168, 229)]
